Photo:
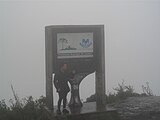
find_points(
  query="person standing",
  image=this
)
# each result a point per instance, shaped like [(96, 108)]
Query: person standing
[(61, 80)]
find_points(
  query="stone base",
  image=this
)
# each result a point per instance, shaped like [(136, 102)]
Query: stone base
[(89, 112)]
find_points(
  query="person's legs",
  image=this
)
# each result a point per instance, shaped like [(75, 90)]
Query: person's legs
[(59, 103), (65, 111), (64, 100)]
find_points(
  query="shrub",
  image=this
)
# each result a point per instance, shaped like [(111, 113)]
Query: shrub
[(146, 90), (122, 92), (28, 109), (92, 98)]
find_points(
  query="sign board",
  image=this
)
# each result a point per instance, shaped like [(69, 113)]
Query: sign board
[(74, 45)]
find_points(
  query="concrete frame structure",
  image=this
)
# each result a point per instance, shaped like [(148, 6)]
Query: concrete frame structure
[(99, 62)]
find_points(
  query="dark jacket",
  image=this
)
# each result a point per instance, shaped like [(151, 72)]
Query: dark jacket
[(61, 82)]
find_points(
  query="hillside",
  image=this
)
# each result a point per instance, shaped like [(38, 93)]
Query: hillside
[(139, 108)]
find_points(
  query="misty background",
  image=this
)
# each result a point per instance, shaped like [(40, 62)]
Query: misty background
[(132, 42)]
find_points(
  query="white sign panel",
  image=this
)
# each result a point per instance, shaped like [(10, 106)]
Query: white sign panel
[(74, 45)]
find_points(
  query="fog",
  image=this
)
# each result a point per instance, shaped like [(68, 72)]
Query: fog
[(132, 42)]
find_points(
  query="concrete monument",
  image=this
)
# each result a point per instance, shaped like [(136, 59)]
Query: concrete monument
[(82, 47)]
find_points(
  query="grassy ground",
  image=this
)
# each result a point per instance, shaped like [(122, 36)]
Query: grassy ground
[(29, 109)]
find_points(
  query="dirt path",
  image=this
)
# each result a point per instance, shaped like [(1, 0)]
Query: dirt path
[(139, 108)]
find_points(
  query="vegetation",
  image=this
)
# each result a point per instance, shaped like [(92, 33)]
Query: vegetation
[(146, 90), (27, 109), (30, 109), (122, 92)]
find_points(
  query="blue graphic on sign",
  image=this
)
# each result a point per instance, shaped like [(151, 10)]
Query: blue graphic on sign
[(85, 43)]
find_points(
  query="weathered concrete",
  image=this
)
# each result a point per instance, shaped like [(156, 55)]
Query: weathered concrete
[(75, 97), (49, 67), (100, 69), (89, 111), (98, 58)]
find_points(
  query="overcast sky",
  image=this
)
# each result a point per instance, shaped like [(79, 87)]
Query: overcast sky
[(132, 42)]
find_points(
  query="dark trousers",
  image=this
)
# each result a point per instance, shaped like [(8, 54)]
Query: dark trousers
[(62, 96)]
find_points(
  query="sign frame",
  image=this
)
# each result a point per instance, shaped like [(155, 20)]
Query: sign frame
[(74, 62)]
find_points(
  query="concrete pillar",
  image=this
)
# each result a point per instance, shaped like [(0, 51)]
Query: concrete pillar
[(100, 69), (49, 67)]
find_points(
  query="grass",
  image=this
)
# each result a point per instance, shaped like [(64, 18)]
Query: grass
[(122, 92), (27, 109), (30, 109)]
